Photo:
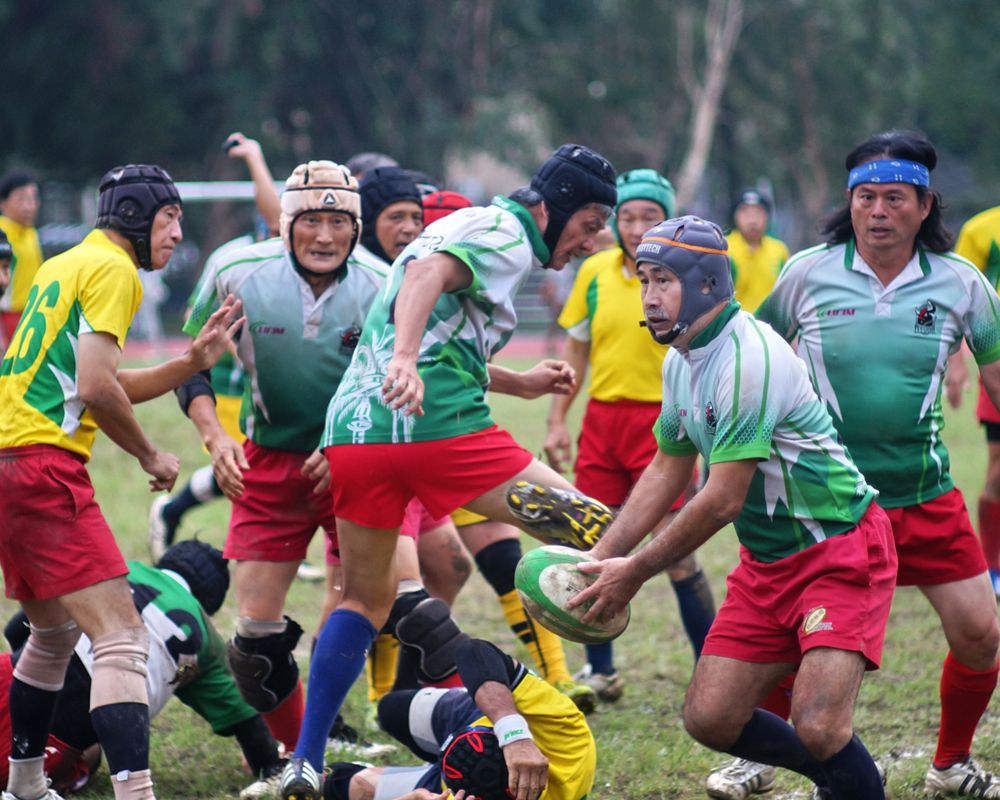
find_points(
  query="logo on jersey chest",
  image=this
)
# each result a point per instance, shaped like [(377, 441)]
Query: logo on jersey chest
[(264, 329), (710, 419), (349, 338), (926, 323)]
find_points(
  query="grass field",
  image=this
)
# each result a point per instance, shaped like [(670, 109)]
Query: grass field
[(643, 750)]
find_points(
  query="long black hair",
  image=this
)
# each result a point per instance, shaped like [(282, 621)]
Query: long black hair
[(912, 146)]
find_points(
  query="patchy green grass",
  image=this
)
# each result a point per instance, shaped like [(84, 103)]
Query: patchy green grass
[(643, 750)]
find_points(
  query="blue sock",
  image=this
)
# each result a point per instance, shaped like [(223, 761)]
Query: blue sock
[(337, 661), (697, 607), (768, 739), (851, 774), (601, 658)]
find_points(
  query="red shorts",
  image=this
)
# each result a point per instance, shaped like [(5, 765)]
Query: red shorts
[(53, 537), (278, 513), (834, 594), (985, 410), (936, 542), (374, 482), (616, 444), (63, 764), (416, 521)]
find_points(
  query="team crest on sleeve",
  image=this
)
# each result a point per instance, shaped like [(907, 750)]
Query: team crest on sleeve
[(926, 318)]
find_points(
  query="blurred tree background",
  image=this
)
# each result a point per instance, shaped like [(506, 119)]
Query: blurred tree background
[(719, 94)]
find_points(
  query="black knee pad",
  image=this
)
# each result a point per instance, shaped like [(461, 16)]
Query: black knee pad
[(264, 668), (403, 605), (430, 629), (497, 563)]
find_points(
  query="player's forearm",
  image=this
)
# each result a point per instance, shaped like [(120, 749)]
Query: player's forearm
[(495, 700), (659, 486), (696, 523), (265, 195), (503, 380), (202, 413), (110, 407), (146, 383)]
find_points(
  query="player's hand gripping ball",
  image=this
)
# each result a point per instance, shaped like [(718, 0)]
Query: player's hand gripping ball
[(546, 578)]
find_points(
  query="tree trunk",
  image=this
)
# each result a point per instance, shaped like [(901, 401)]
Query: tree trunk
[(723, 23)]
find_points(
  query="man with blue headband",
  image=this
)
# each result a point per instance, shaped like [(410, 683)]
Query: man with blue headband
[(877, 311)]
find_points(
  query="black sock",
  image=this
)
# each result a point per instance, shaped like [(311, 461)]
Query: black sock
[(179, 505), (697, 607), (768, 739), (851, 774), (407, 669), (123, 731), (497, 563), (31, 712)]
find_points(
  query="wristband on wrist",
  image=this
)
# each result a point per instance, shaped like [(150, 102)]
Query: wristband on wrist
[(512, 728)]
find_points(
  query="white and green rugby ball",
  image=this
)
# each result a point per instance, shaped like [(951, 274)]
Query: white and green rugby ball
[(546, 578)]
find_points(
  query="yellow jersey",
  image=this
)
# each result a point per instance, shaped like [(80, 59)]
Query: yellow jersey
[(755, 269), (605, 308), (23, 266), (93, 287), (560, 731), (979, 241)]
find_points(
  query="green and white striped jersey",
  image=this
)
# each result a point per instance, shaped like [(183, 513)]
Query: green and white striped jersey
[(741, 393), (877, 354), (500, 244), (295, 346), (187, 657)]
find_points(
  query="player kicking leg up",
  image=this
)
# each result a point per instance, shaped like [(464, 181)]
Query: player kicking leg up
[(450, 306)]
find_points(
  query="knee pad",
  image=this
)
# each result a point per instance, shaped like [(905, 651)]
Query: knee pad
[(429, 628), (264, 667), (409, 594), (120, 668), (46, 655)]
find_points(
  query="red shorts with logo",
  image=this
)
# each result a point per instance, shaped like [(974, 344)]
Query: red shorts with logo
[(985, 410), (278, 513), (616, 444), (834, 594), (416, 521), (375, 482), (65, 765), (935, 542), (53, 537)]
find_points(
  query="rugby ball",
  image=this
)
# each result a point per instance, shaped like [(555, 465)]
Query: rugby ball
[(546, 578)]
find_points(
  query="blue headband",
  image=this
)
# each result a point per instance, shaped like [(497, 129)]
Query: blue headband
[(896, 170)]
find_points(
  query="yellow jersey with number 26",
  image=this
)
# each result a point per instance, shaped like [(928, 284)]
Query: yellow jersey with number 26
[(93, 287)]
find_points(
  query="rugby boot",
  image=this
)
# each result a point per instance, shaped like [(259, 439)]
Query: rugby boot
[(740, 779), (564, 515)]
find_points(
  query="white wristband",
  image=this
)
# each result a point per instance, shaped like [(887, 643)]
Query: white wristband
[(511, 728)]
